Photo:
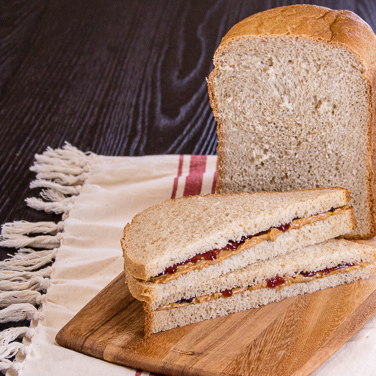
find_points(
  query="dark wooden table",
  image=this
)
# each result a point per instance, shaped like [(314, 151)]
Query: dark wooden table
[(120, 77)]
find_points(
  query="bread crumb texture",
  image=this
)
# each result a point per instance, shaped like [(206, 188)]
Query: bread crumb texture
[(293, 103), (175, 230), (286, 245), (168, 319)]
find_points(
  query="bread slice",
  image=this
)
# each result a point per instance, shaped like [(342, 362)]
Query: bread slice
[(293, 94), (359, 262), (176, 230), (157, 294)]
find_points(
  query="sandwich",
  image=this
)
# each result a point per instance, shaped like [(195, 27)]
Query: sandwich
[(188, 241), (293, 95), (310, 269)]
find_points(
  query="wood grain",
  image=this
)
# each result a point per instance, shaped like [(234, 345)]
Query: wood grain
[(292, 337), (117, 78)]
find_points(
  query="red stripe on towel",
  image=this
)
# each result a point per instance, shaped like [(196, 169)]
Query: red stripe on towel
[(138, 373), (176, 180), (214, 182), (193, 182)]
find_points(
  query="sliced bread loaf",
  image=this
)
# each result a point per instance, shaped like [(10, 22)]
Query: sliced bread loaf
[(293, 94)]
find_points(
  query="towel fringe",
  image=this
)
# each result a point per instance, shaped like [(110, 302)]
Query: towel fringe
[(37, 282), (52, 195), (43, 241), (25, 228), (16, 297), (26, 260), (19, 312), (11, 349), (64, 189), (68, 153), (25, 276), (47, 168), (63, 206), (62, 178), (10, 334)]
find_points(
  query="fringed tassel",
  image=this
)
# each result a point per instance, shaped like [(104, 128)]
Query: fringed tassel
[(35, 283), (27, 260), (25, 276), (9, 335), (9, 349), (62, 172), (64, 189), (11, 299), (43, 241), (51, 207), (26, 228)]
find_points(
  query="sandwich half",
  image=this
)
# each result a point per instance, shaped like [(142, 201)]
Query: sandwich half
[(195, 238), (312, 268), (173, 249)]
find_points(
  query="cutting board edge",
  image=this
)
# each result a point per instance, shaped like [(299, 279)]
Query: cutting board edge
[(322, 355), (147, 364)]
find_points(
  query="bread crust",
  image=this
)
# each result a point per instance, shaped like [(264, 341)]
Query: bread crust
[(372, 148), (335, 28), (131, 265)]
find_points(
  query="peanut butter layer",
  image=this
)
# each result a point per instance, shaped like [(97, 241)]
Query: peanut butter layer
[(289, 280), (270, 235)]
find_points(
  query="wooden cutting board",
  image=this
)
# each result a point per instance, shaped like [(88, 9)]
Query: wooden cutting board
[(292, 337)]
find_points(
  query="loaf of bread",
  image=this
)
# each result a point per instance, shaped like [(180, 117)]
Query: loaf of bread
[(293, 94)]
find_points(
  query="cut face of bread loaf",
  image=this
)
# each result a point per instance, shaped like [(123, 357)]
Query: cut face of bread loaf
[(293, 97)]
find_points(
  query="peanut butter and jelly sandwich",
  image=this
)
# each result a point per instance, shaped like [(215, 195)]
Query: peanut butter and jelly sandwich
[(312, 268), (183, 244)]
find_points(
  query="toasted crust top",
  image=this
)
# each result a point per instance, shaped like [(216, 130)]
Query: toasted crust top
[(310, 21)]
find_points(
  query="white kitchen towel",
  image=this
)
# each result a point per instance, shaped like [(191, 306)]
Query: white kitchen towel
[(97, 196)]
